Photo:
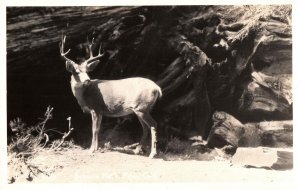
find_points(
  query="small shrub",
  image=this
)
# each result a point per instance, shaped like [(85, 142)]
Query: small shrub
[(27, 142), (177, 146), (63, 145), (178, 150)]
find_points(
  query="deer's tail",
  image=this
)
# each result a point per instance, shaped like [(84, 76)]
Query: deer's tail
[(159, 92)]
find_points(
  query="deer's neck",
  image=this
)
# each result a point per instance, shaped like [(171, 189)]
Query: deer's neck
[(76, 83), (79, 78), (77, 88)]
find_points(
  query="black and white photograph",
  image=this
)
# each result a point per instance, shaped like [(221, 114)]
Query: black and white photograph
[(130, 94)]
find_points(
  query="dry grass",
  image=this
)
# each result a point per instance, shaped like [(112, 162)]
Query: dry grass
[(27, 143), (177, 149)]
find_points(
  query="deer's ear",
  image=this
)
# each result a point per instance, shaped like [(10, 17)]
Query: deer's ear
[(91, 66), (69, 66)]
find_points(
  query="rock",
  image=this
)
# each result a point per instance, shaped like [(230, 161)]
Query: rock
[(263, 157)]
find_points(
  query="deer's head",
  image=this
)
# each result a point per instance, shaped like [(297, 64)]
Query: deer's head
[(79, 71)]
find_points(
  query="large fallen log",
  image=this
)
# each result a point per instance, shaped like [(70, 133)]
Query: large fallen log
[(268, 134), (227, 130), (205, 58)]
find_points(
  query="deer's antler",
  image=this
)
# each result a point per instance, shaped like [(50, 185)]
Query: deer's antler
[(61, 48), (92, 58)]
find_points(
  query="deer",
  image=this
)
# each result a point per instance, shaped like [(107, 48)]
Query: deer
[(112, 98)]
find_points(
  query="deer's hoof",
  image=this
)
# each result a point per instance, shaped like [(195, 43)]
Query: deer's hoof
[(138, 150), (92, 150), (152, 155)]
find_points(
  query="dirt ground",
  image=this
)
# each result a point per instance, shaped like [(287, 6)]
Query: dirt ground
[(78, 166)]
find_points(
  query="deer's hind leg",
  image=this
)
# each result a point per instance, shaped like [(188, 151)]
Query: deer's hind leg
[(145, 132), (143, 141), (147, 120)]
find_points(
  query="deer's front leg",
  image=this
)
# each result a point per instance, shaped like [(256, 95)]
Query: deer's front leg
[(96, 123)]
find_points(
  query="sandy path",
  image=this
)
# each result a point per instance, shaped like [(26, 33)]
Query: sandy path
[(119, 167)]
